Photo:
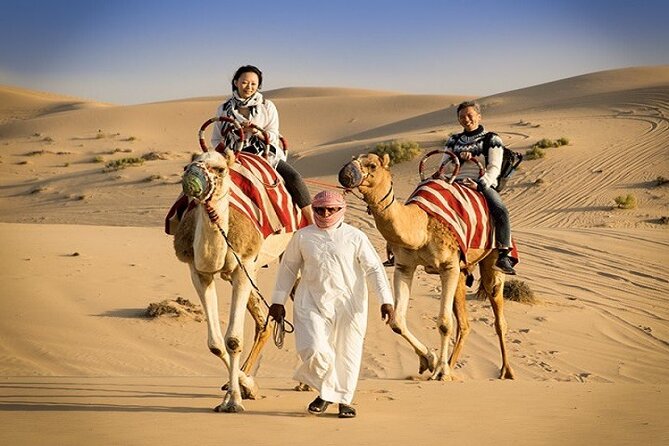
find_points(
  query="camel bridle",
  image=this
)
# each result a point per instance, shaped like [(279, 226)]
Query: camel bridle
[(365, 174)]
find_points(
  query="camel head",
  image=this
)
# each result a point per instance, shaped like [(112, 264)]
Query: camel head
[(365, 172), (204, 178)]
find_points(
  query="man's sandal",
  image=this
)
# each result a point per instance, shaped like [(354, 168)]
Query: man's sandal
[(346, 411), (318, 406)]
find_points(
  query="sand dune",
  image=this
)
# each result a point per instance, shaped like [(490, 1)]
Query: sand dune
[(84, 254)]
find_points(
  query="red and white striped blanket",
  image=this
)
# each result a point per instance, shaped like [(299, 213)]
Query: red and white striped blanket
[(258, 192), (463, 210)]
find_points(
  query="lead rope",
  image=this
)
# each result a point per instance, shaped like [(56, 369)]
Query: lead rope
[(279, 332)]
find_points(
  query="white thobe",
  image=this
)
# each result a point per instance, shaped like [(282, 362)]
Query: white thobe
[(330, 309)]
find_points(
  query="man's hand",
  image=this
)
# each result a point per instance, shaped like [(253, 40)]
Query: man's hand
[(277, 312), (388, 313), (470, 183)]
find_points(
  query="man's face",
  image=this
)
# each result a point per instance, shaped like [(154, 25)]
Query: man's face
[(469, 118)]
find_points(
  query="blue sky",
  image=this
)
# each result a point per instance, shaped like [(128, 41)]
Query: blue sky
[(137, 51)]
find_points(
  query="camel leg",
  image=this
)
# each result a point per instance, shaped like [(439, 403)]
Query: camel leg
[(493, 285), (462, 319), (234, 338), (206, 290), (402, 280), (449, 284), (256, 307)]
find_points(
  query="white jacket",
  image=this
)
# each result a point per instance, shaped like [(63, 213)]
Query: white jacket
[(267, 117)]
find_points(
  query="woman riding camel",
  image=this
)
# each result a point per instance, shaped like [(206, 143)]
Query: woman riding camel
[(250, 109)]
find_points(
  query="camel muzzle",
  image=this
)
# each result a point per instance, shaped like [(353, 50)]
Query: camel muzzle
[(196, 183), (350, 176)]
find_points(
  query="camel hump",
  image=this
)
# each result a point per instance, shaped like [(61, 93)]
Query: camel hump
[(258, 192), (462, 210)]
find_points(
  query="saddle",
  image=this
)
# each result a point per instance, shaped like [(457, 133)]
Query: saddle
[(463, 210), (258, 192)]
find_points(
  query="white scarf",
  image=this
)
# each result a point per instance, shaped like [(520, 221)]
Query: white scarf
[(231, 109)]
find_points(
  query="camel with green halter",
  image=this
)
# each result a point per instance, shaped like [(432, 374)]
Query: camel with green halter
[(215, 238)]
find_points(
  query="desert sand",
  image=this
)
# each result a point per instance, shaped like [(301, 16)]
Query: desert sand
[(84, 254)]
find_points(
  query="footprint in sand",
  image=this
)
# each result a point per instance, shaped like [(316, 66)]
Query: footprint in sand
[(385, 396)]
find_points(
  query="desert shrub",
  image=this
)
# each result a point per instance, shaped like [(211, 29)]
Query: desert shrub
[(398, 151), (152, 156), (661, 181), (535, 153), (153, 177), (98, 159), (47, 139), (100, 135), (123, 163), (130, 139), (626, 202), (544, 143), (664, 220), (518, 291)]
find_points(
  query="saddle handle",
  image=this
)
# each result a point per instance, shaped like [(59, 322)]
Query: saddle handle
[(265, 141), (208, 122), (440, 173)]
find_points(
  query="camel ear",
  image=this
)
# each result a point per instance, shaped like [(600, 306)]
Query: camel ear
[(386, 160)]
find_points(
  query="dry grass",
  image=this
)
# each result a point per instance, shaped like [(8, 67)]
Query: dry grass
[(519, 291), (398, 151), (123, 163), (180, 307), (534, 153), (626, 201)]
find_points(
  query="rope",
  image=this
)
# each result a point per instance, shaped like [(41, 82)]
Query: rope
[(279, 327), (279, 331)]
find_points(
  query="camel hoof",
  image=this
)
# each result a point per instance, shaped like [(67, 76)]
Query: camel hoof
[(249, 388), (441, 377), (427, 363), (229, 408), (507, 373), (302, 387)]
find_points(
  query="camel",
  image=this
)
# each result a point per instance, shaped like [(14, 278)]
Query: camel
[(417, 238), (216, 238)]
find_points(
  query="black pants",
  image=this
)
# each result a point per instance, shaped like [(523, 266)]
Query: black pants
[(294, 183)]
